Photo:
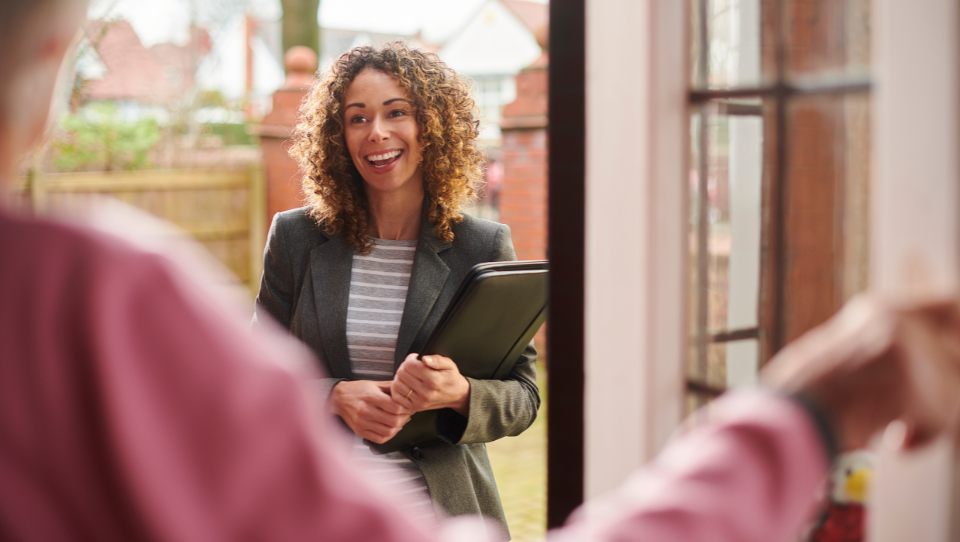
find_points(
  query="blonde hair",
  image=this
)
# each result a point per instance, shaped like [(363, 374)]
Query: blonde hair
[(448, 121)]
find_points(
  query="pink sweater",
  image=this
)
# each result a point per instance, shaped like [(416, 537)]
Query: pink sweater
[(133, 408)]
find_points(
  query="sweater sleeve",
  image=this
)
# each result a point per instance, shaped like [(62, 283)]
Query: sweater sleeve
[(748, 475)]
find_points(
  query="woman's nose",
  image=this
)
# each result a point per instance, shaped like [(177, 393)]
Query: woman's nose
[(378, 130)]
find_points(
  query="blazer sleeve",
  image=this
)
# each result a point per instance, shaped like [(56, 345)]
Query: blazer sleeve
[(498, 408), (277, 290), (275, 297)]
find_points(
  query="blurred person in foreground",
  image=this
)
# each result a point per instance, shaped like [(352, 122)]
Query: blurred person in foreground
[(387, 144), (132, 408)]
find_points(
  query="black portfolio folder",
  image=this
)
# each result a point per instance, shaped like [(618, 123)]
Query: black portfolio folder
[(493, 316)]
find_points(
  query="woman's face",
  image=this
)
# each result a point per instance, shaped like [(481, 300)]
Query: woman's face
[(382, 134)]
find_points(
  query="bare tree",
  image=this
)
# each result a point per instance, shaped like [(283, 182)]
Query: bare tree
[(300, 24)]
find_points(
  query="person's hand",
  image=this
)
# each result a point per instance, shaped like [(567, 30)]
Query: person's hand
[(368, 409), (876, 361), (431, 383)]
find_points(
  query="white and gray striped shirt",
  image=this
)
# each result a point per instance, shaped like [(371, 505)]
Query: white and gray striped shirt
[(378, 293)]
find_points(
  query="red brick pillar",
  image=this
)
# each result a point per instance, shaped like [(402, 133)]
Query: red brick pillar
[(523, 195), (283, 181)]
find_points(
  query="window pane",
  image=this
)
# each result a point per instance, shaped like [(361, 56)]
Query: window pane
[(716, 365), (694, 402), (729, 365), (827, 188), (827, 37), (732, 40), (732, 212), (741, 362), (696, 44), (725, 281), (692, 236)]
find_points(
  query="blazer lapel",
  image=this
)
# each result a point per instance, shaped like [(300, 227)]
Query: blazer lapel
[(426, 281), (331, 264)]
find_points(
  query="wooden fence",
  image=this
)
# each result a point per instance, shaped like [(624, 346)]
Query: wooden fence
[(225, 210)]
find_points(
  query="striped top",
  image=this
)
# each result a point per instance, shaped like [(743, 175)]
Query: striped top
[(378, 293)]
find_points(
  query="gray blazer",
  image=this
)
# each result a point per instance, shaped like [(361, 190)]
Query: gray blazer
[(305, 287)]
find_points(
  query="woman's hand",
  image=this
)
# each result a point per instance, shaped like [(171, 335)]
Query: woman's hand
[(366, 406), (879, 360), (431, 383)]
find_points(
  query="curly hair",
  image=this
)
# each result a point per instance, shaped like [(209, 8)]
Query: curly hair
[(448, 121)]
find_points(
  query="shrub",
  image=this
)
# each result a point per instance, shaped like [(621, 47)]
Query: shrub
[(98, 137)]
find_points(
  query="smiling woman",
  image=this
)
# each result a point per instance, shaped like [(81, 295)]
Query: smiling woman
[(387, 147)]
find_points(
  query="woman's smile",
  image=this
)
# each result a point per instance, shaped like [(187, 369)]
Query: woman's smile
[(384, 159)]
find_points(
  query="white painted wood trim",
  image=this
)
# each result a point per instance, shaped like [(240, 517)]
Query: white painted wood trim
[(915, 229), (635, 289)]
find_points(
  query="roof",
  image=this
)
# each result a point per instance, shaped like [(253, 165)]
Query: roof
[(336, 41), (533, 15), (134, 72), (495, 41)]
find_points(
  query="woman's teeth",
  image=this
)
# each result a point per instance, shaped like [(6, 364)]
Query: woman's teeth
[(380, 160)]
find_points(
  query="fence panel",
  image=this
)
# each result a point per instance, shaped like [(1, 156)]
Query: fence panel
[(225, 210)]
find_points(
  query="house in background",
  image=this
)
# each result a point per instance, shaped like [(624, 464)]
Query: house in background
[(336, 41), (493, 45), (114, 66), (242, 62), (500, 39), (201, 94)]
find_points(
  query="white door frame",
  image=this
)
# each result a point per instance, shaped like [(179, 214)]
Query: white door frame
[(636, 233), (915, 233)]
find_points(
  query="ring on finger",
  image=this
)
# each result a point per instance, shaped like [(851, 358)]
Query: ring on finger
[(408, 394)]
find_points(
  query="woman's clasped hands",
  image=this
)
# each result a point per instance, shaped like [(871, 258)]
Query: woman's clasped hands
[(377, 411), (430, 383), (368, 409)]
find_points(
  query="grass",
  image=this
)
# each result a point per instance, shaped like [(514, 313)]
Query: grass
[(520, 467)]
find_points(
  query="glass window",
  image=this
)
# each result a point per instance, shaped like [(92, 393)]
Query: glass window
[(779, 178), (827, 38), (731, 30), (491, 94)]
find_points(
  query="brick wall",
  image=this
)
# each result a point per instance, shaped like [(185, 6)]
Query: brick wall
[(283, 180), (523, 194)]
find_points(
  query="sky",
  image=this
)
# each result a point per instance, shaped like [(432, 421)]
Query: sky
[(158, 21)]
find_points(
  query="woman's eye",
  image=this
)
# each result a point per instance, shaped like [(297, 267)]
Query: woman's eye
[(397, 113), (356, 119)]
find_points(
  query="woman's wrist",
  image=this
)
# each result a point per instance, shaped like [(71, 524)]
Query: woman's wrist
[(461, 405), (822, 420), (333, 400)]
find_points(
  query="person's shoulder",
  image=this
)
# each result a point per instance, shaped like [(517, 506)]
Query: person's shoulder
[(298, 218), (78, 263), (483, 238), (42, 242), (478, 227), (299, 224)]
